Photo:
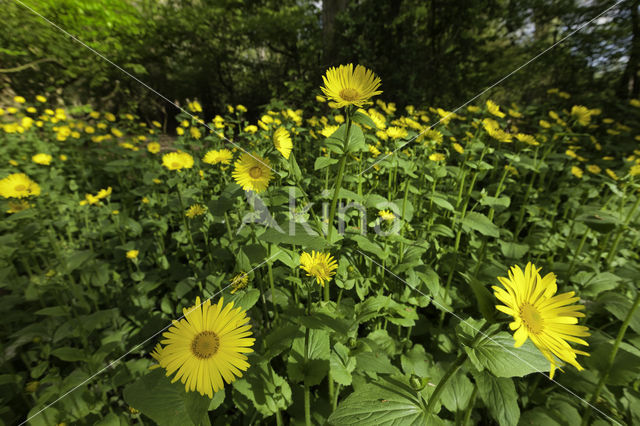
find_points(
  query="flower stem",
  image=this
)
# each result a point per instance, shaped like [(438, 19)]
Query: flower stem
[(307, 392), (616, 241), (435, 396), (612, 357)]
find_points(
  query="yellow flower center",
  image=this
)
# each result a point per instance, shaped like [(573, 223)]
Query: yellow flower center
[(205, 344), (255, 172), (20, 187), (349, 94), (531, 318), (319, 270), (175, 165)]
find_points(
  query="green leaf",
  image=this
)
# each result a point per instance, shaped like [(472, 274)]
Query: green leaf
[(361, 118), (367, 245), (619, 305), (593, 283), (164, 402), (245, 298), (457, 392), (77, 258), (322, 162), (497, 354), (69, 354), (262, 389), (217, 400), (374, 363), (416, 361), (513, 250), (316, 366), (481, 223), (299, 237), (500, 397), (385, 403), (342, 364)]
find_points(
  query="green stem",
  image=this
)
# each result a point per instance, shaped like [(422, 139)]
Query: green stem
[(435, 396), (612, 357), (307, 392), (272, 285), (614, 247), (578, 251), (472, 400)]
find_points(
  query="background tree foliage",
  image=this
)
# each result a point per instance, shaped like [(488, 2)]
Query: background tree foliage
[(241, 51)]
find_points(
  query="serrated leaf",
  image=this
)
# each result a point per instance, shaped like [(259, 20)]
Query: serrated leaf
[(342, 364), (481, 223), (500, 396), (315, 367), (322, 162)]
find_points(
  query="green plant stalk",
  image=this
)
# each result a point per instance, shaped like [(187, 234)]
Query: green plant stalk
[(435, 396), (186, 223), (334, 403), (229, 232), (616, 241), (334, 201), (612, 357), (524, 204), (307, 391), (404, 206), (472, 400), (578, 251), (273, 288)]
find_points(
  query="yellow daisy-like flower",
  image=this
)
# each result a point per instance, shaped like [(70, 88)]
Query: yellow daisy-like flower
[(19, 99), (374, 151), (207, 346), (18, 185), (42, 159), (282, 142), (153, 147), (104, 193), (177, 160), (41, 99), (593, 168), (577, 172), (494, 109), (581, 114), (18, 206), (386, 215), (459, 149), (635, 170), (195, 210), (321, 266), (528, 139), (223, 156), (132, 254), (328, 131), (612, 174), (397, 132), (436, 156), (239, 282), (541, 315), (346, 86), (252, 173)]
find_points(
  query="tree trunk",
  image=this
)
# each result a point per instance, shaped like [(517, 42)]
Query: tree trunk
[(330, 10), (629, 86)]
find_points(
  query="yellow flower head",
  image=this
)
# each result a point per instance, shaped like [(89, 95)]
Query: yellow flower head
[(321, 266), (612, 174), (43, 159), (528, 139), (104, 193), (346, 86), (223, 156), (177, 160), (577, 172), (594, 169), (437, 157), (18, 185), (581, 114), (397, 132), (207, 346), (549, 320), (239, 282), (41, 99), (195, 210), (18, 206), (153, 147), (635, 170), (328, 131), (494, 109), (252, 172), (19, 99), (132, 254), (459, 149), (386, 215), (282, 142)]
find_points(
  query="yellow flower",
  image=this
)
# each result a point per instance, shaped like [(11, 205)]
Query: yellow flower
[(207, 346), (473, 109), (89, 130), (251, 128), (41, 99), (20, 99), (635, 170), (42, 159), (195, 106), (594, 169), (612, 174), (528, 139), (386, 215), (31, 110), (581, 114), (458, 148), (374, 151), (397, 132), (145, 200), (115, 212), (252, 173), (436, 156), (577, 171), (321, 266), (339, 118), (549, 320), (346, 86), (115, 132), (195, 210), (239, 282), (564, 95), (514, 113), (320, 98), (493, 129), (223, 156), (634, 102), (177, 160), (282, 142), (545, 124), (494, 109), (18, 206), (241, 108), (195, 133), (132, 254), (109, 116), (104, 193), (329, 130), (153, 147), (180, 131)]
